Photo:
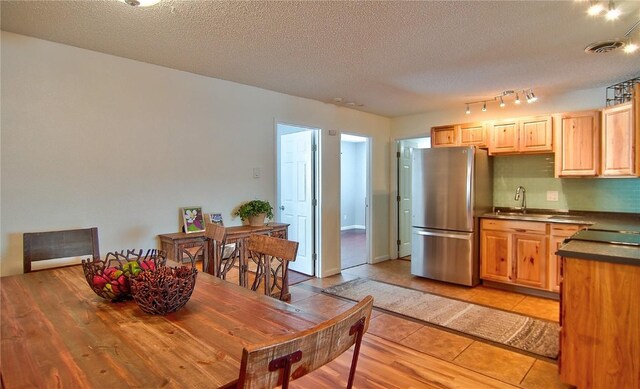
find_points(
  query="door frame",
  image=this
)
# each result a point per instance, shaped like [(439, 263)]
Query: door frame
[(368, 192), (315, 187), (395, 199)]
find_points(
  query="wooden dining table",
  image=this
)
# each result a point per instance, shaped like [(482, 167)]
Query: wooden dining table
[(56, 332)]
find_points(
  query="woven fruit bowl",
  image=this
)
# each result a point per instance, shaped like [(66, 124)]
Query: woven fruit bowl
[(164, 290), (110, 278)]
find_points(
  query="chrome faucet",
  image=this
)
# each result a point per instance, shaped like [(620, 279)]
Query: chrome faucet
[(523, 206)]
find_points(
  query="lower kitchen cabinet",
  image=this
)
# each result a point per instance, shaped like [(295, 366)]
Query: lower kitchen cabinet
[(514, 252), (558, 233), (599, 315), (530, 267), (523, 253)]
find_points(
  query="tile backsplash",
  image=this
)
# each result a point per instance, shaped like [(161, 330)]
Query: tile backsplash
[(535, 173)]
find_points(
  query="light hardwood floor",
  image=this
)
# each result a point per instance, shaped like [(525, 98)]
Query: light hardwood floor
[(402, 353)]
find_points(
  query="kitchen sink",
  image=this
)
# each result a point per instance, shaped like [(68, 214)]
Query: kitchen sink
[(519, 215)]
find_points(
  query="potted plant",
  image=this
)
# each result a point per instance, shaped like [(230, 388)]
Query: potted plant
[(254, 212)]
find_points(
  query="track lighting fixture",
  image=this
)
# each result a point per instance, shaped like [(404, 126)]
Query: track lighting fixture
[(595, 8), (612, 13), (500, 99)]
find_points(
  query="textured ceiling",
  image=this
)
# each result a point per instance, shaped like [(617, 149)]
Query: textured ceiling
[(395, 58)]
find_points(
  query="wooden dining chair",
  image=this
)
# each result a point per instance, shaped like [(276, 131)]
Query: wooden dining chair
[(272, 256), (222, 256), (42, 246), (286, 358)]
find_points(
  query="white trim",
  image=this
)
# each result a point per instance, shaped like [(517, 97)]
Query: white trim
[(379, 259), (353, 227)]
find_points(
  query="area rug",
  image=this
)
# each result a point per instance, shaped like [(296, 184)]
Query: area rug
[(521, 332)]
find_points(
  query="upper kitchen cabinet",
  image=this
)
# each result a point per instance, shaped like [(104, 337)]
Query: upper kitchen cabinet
[(473, 134), (468, 134), (578, 151), (522, 136), (620, 140), (504, 137), (536, 134), (444, 136)]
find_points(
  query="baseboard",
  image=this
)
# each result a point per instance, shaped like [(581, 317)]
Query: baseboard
[(379, 259), (522, 289), (352, 227), (329, 273)]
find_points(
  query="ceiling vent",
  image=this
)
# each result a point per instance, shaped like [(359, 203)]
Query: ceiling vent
[(604, 46)]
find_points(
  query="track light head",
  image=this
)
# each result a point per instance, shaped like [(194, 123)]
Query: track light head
[(484, 107), (502, 104), (595, 9), (533, 97), (517, 101), (612, 13), (468, 111)]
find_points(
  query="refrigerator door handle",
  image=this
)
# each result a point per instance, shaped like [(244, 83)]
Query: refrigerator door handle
[(444, 235)]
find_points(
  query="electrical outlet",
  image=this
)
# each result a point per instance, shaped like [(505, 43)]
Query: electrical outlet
[(552, 195)]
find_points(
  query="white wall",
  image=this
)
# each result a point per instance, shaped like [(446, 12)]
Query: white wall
[(419, 125), (89, 139)]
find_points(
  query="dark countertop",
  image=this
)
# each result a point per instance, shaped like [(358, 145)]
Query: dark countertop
[(590, 250)]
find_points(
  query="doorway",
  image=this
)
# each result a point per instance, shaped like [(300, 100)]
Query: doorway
[(296, 191), (404, 152), (354, 201)]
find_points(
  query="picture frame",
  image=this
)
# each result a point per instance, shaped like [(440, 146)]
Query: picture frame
[(215, 218), (192, 219)]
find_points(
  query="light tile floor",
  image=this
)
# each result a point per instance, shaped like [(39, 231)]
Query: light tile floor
[(497, 362)]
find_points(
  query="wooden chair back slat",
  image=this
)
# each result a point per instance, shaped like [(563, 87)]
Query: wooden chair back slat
[(318, 346), (40, 246), (275, 247)]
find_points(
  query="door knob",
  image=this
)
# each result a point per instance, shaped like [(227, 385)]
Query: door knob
[(282, 207)]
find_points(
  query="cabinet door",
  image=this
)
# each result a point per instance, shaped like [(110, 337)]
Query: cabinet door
[(473, 134), (579, 151), (496, 256), (504, 137), (536, 134), (444, 136), (555, 262), (618, 139), (530, 260)]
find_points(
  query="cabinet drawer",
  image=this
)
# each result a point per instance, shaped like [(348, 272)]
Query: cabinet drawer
[(565, 230), (514, 226)]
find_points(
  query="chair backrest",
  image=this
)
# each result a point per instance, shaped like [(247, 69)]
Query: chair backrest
[(289, 357), (41, 246), (266, 251), (272, 246)]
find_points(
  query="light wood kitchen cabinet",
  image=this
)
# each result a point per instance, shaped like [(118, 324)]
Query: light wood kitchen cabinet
[(514, 252), (497, 254), (530, 267), (599, 316), (473, 134), (504, 137), (619, 141), (536, 134), (558, 233), (444, 136), (468, 134), (578, 154), (522, 135)]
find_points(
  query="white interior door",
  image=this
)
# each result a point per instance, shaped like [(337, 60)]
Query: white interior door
[(295, 192), (405, 148)]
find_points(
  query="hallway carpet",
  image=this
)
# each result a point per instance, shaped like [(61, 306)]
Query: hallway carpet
[(510, 329)]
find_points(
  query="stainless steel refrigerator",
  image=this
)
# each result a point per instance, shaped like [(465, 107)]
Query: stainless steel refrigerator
[(451, 188)]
